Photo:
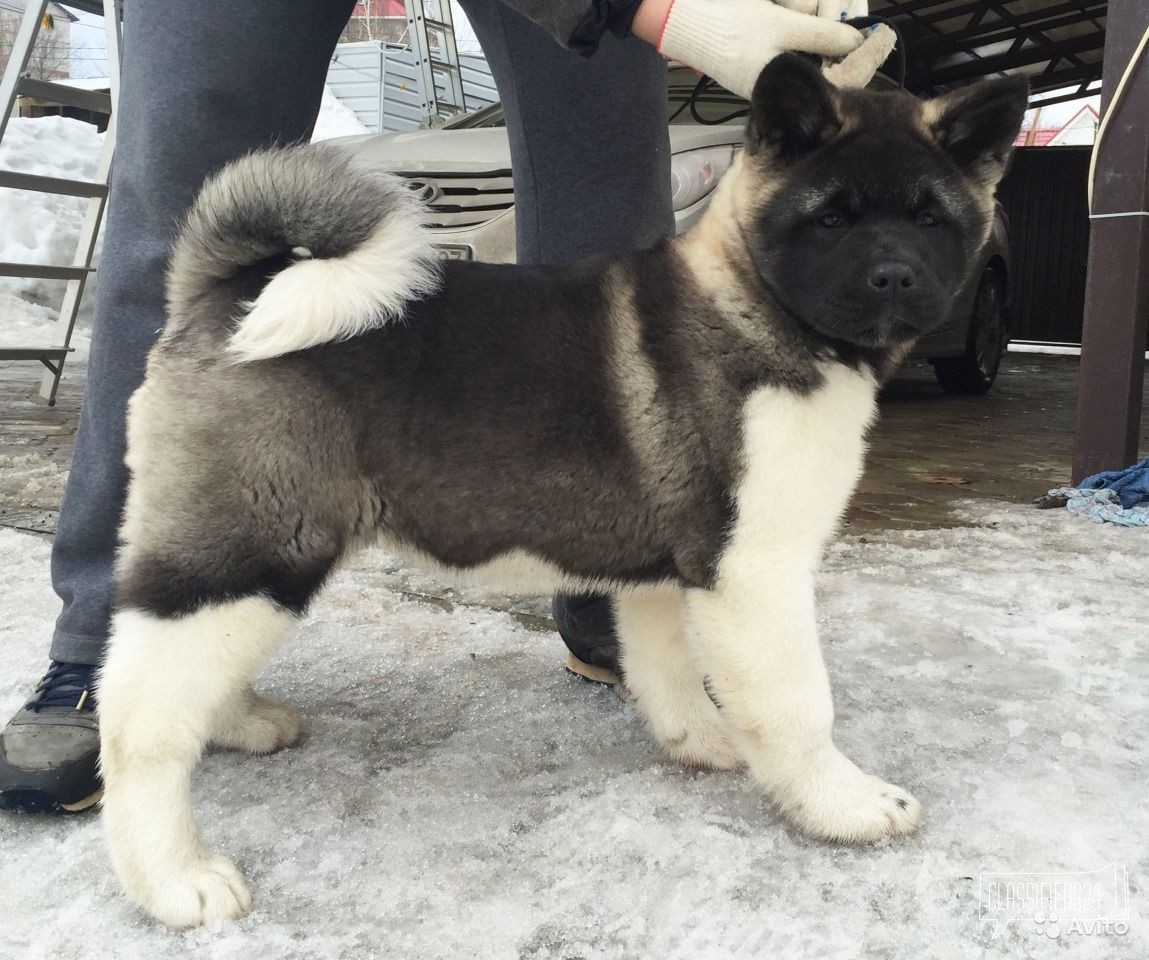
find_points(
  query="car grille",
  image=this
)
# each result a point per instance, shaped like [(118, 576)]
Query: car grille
[(464, 200)]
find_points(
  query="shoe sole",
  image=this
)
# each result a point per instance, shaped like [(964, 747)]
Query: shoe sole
[(29, 800), (588, 671)]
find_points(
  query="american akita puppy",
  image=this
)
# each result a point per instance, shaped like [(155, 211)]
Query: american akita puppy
[(628, 424)]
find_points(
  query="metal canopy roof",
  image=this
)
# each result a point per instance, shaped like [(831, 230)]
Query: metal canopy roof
[(1056, 43)]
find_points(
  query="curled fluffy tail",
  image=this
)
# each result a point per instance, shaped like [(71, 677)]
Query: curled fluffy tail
[(346, 248)]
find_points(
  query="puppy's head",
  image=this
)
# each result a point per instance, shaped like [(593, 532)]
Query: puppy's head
[(862, 211)]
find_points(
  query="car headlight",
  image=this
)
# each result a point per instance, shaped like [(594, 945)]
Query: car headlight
[(695, 173)]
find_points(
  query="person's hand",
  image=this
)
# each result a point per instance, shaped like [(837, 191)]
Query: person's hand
[(732, 40), (859, 67), (830, 9)]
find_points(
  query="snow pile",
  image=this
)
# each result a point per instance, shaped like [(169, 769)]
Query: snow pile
[(336, 119), (43, 228), (458, 795), (24, 323)]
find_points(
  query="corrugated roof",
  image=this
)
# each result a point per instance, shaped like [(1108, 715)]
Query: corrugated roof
[(1055, 43)]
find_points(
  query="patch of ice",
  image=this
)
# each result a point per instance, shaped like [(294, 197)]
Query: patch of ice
[(458, 795)]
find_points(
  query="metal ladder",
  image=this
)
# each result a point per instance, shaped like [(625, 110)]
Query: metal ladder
[(12, 85), (441, 25)]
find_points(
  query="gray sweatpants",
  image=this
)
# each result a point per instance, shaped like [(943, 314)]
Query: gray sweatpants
[(206, 81)]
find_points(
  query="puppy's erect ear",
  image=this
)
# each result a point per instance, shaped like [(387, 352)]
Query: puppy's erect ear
[(792, 110), (977, 125)]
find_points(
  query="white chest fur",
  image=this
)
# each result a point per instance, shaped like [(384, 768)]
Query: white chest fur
[(803, 456), (754, 635)]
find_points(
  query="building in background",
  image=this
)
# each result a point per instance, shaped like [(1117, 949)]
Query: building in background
[(384, 20), (1069, 124), (98, 113), (51, 56)]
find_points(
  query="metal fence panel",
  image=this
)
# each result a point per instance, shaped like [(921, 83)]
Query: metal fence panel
[(380, 83), (1044, 196)]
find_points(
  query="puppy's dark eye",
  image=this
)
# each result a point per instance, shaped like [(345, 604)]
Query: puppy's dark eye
[(831, 219), (926, 219)]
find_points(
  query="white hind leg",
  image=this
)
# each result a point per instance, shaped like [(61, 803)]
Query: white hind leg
[(162, 690), (666, 687)]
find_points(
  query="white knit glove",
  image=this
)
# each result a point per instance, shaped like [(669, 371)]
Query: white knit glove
[(732, 40), (830, 9), (859, 67)]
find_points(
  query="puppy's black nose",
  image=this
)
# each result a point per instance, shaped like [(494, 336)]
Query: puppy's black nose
[(890, 276)]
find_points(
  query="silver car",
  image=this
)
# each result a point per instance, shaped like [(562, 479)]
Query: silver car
[(462, 170)]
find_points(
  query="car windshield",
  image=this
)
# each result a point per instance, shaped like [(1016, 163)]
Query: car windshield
[(713, 105)]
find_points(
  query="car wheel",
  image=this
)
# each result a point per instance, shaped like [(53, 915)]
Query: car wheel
[(976, 369)]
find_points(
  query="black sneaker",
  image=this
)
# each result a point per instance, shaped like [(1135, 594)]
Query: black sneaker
[(50, 750), (586, 624)]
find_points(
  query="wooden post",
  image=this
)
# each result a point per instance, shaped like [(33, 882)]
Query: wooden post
[(1117, 285)]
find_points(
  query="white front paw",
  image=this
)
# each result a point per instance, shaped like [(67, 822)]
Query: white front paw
[(831, 799), (206, 889)]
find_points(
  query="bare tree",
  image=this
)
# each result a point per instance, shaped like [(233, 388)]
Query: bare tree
[(51, 54), (375, 20), (9, 23)]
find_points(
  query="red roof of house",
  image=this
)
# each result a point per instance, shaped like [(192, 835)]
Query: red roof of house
[(1043, 136), (379, 8)]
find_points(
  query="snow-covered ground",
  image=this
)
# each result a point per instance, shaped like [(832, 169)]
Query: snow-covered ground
[(42, 228), (458, 795)]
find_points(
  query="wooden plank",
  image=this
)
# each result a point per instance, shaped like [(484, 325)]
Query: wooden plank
[(29, 519)]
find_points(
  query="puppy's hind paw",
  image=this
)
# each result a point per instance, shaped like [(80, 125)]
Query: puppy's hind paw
[(257, 725), (704, 744)]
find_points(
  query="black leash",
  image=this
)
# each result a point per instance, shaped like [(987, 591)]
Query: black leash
[(858, 23)]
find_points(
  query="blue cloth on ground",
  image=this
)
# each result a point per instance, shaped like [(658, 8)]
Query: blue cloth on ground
[(1102, 506), (1131, 484)]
